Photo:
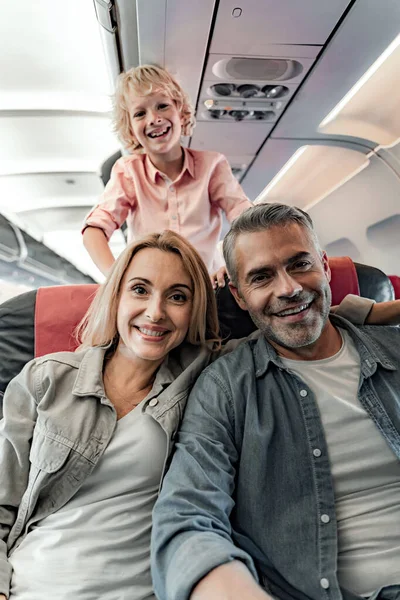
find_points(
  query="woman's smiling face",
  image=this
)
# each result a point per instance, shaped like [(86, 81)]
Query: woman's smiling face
[(155, 305)]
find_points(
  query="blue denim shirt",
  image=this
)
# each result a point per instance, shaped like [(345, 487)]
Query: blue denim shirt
[(245, 483)]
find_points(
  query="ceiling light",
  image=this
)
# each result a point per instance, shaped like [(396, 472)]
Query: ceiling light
[(312, 173), (370, 110), (68, 101)]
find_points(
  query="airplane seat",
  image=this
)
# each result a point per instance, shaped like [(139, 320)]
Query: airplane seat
[(39, 322), (395, 281), (374, 283), (43, 321)]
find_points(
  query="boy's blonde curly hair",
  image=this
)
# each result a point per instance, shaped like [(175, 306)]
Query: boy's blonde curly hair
[(143, 81)]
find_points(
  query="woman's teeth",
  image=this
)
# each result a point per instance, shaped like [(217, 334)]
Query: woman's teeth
[(151, 332)]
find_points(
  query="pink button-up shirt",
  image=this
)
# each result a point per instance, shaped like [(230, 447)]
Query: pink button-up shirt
[(191, 205)]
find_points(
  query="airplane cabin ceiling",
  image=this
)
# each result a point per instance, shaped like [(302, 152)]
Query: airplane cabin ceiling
[(283, 66), (55, 126)]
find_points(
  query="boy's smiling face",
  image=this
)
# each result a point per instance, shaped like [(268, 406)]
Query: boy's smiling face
[(157, 125)]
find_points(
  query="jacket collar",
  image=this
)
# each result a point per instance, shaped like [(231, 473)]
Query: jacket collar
[(188, 165), (371, 353), (178, 372)]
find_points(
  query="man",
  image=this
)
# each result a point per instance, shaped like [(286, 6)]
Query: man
[(286, 480)]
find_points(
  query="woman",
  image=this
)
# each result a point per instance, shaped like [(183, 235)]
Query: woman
[(86, 435)]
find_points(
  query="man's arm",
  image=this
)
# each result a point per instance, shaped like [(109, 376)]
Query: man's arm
[(96, 243), (191, 520), (228, 582), (384, 313)]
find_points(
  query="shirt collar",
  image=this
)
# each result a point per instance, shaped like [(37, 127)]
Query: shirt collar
[(188, 165), (89, 380), (370, 352)]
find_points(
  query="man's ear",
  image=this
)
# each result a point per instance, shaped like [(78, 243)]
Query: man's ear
[(325, 263), (236, 295)]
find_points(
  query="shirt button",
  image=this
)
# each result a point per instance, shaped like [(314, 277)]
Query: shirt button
[(172, 189), (325, 518), (153, 402), (317, 452), (303, 393), (324, 583), (174, 217)]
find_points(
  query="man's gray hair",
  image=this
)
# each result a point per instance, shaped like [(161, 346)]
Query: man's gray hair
[(260, 218)]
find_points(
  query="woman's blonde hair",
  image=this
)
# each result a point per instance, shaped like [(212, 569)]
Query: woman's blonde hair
[(99, 326), (143, 81)]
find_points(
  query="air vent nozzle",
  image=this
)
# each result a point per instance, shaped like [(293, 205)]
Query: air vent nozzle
[(275, 91), (248, 90), (223, 89)]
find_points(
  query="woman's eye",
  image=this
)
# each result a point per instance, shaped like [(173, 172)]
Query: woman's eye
[(139, 290), (163, 105), (179, 297), (138, 114)]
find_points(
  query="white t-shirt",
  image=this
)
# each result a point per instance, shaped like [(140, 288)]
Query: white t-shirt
[(98, 544), (366, 473)]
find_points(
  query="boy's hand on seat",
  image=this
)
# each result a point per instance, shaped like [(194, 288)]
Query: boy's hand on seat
[(218, 278)]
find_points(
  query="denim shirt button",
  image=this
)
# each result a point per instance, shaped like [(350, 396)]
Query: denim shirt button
[(153, 402), (324, 583), (303, 393), (325, 518), (317, 452)]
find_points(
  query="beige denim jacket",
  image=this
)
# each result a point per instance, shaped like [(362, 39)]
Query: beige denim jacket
[(58, 422)]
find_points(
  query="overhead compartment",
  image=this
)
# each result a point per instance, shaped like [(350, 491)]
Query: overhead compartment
[(346, 95), (25, 260), (312, 172), (371, 107), (250, 27)]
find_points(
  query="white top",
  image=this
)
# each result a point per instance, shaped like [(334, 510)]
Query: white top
[(366, 473), (98, 544)]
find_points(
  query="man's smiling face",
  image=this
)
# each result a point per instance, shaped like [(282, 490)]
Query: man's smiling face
[(283, 282)]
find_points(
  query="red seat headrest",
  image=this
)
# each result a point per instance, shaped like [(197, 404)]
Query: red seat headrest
[(395, 279), (58, 311), (344, 278)]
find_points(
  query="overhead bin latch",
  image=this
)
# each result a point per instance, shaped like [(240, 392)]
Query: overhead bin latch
[(105, 12)]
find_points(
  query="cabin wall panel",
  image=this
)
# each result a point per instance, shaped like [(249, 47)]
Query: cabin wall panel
[(370, 197)]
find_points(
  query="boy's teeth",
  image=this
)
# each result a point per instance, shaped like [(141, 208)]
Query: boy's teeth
[(154, 135)]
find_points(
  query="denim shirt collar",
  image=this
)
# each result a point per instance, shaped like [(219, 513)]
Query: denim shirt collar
[(371, 353)]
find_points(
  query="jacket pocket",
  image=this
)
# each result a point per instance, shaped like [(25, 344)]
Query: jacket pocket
[(47, 454)]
